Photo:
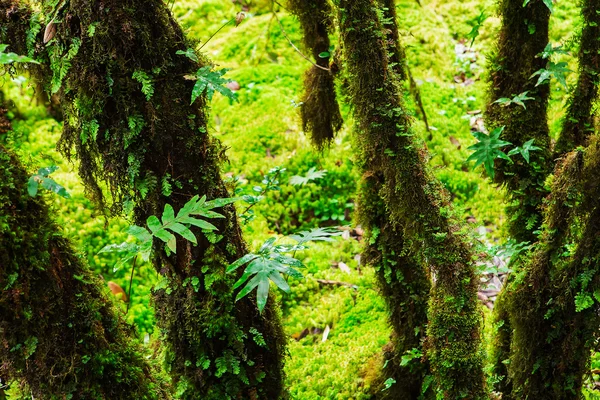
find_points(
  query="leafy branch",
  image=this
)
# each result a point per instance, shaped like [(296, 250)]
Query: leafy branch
[(42, 178), (557, 71), (208, 81), (271, 182), (476, 25), (270, 262), (311, 175)]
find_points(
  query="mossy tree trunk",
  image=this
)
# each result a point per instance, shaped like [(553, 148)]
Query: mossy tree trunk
[(60, 336), (129, 120), (548, 303), (522, 39), (415, 201), (579, 124), (319, 110)]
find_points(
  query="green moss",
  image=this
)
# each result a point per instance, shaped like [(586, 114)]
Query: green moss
[(387, 148), (61, 336)]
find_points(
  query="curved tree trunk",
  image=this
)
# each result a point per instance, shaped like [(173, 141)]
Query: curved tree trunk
[(126, 102), (415, 201)]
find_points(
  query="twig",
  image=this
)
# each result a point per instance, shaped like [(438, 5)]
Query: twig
[(417, 94), (292, 43), (130, 282), (217, 31), (336, 283)]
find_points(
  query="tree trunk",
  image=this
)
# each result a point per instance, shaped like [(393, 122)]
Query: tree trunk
[(59, 334), (415, 201), (128, 116)]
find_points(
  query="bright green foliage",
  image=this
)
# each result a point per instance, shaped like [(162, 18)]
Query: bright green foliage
[(518, 100), (311, 175), (42, 178), (208, 81), (271, 261), (146, 81), (476, 24), (488, 149), (9, 58), (524, 150), (557, 71)]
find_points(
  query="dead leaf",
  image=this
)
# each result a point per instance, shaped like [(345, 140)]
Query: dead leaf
[(49, 32)]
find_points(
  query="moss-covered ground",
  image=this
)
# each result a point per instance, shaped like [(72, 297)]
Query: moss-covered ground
[(263, 130)]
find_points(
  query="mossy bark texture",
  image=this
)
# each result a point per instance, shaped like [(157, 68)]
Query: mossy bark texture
[(415, 201), (60, 337), (405, 286), (554, 317), (320, 112), (522, 39), (129, 122), (579, 123)]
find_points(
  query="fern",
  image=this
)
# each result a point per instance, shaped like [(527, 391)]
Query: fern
[(209, 81), (311, 175), (42, 178), (146, 81)]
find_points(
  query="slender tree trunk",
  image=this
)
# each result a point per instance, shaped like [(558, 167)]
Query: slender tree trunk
[(59, 334), (415, 201), (126, 104)]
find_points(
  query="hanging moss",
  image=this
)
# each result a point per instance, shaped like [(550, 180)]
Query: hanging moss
[(578, 124), (319, 110), (415, 201), (129, 122), (523, 37), (60, 337)]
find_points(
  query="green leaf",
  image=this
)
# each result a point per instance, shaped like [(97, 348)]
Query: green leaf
[(250, 286), (316, 235), (32, 186), (488, 149), (209, 81), (518, 99), (262, 294), (218, 203), (9, 58), (247, 258), (311, 175), (557, 71), (197, 222), (154, 224), (183, 231), (168, 214), (139, 233), (189, 53), (476, 25), (548, 4), (279, 281)]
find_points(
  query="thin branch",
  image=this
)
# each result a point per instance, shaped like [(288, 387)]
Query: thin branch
[(217, 31), (292, 43), (130, 282)]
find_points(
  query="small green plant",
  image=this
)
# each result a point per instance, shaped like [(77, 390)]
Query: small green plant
[(271, 261), (9, 58), (43, 179), (311, 175), (524, 150), (209, 81), (488, 149), (550, 50), (169, 225), (518, 100), (557, 71), (476, 25), (271, 182), (146, 81)]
